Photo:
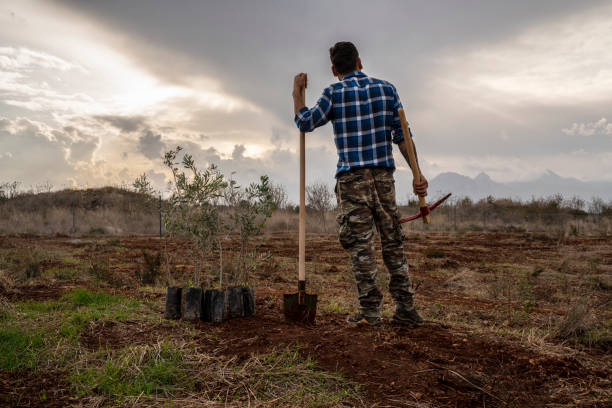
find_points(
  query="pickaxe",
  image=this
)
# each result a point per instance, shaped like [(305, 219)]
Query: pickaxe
[(424, 209)]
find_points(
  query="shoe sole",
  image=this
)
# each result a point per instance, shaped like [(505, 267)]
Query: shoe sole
[(364, 322), (406, 323)]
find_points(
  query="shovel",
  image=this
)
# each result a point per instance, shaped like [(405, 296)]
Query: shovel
[(301, 307)]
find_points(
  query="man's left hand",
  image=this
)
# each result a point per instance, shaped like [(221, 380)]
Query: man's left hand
[(420, 187)]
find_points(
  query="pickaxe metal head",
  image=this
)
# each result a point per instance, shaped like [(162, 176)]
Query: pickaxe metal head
[(423, 211)]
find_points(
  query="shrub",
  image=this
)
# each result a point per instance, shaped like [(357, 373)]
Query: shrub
[(32, 269), (577, 321), (537, 270), (434, 253), (97, 231), (151, 270), (100, 270)]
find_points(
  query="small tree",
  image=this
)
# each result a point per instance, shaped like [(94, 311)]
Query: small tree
[(279, 196), (596, 206), (249, 210), (9, 190), (191, 207), (319, 198), (143, 186)]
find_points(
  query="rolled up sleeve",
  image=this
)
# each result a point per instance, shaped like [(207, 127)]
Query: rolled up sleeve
[(308, 120), (396, 128)]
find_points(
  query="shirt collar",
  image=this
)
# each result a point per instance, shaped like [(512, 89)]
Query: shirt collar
[(357, 74)]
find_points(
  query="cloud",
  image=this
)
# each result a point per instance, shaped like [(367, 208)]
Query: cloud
[(45, 154), (123, 123), (63, 156), (601, 127), (24, 59), (486, 85), (151, 145), (565, 61)]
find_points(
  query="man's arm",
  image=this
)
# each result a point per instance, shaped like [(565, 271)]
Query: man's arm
[(309, 119), (420, 188)]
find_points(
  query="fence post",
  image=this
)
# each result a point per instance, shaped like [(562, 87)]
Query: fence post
[(599, 222), (160, 216), (484, 219), (73, 230)]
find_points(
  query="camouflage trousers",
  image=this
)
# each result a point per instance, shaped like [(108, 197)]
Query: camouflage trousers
[(366, 199)]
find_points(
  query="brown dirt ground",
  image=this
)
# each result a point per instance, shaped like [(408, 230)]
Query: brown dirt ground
[(28, 389), (434, 365)]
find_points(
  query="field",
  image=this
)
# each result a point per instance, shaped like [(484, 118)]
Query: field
[(514, 319)]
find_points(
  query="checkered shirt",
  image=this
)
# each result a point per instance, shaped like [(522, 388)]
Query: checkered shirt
[(363, 111)]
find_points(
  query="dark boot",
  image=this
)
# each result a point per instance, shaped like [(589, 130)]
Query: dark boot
[(407, 317)]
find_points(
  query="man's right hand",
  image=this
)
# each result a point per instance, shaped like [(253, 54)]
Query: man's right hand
[(299, 84), (420, 187)]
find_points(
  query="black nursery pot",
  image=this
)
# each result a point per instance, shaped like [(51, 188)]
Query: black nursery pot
[(248, 300), (241, 301), (173, 303), (193, 304), (213, 307)]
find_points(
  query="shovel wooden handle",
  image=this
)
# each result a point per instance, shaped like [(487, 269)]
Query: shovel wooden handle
[(416, 173), (302, 224)]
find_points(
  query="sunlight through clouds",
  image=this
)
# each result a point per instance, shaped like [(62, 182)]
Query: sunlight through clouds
[(117, 83)]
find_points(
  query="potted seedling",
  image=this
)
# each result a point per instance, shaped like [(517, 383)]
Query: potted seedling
[(193, 302), (249, 210), (174, 294), (192, 212)]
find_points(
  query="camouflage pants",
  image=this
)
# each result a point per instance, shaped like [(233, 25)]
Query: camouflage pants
[(366, 198)]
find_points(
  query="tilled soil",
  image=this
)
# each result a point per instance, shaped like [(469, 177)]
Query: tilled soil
[(26, 388), (434, 365), (431, 364), (114, 335)]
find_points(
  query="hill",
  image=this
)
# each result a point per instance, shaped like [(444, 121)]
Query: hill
[(547, 184)]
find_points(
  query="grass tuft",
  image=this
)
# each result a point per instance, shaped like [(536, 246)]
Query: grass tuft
[(140, 370), (84, 297), (19, 348), (577, 322)]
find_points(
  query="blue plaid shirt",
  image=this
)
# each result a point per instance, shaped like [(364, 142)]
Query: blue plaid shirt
[(363, 111)]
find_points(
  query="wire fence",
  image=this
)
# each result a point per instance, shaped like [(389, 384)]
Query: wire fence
[(491, 218), (116, 212)]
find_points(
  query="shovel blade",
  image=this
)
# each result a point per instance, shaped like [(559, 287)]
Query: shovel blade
[(295, 311)]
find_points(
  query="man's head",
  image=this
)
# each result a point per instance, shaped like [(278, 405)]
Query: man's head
[(344, 58)]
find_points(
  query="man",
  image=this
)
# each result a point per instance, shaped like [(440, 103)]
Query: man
[(364, 114)]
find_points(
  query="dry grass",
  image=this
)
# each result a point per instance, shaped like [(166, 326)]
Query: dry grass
[(178, 370), (117, 211), (519, 288)]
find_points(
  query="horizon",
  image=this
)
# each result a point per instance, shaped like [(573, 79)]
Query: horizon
[(438, 188), (94, 93)]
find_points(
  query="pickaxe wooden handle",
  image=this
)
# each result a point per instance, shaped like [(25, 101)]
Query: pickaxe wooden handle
[(416, 173)]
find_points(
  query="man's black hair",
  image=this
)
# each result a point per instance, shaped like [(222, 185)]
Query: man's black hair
[(344, 56)]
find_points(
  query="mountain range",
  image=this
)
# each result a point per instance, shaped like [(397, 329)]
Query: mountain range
[(546, 185)]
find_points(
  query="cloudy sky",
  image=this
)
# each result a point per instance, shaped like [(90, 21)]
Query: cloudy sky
[(92, 92)]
